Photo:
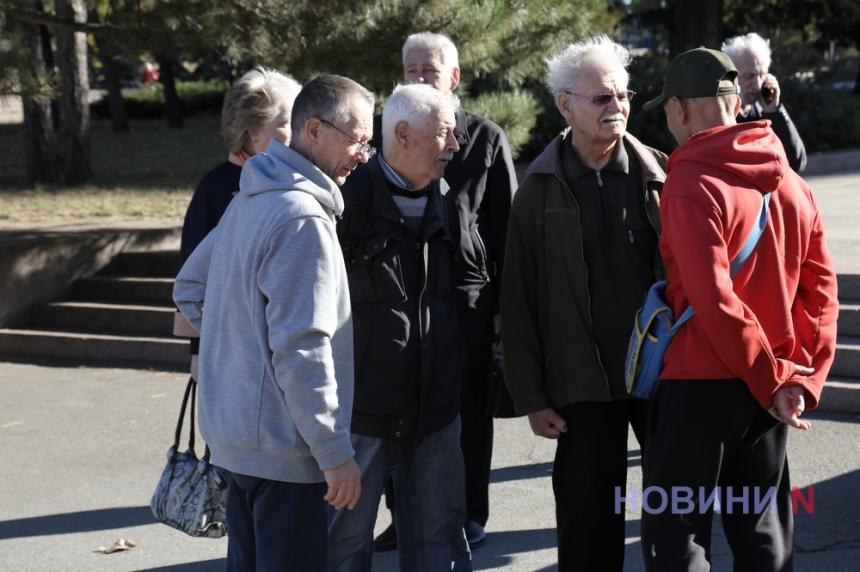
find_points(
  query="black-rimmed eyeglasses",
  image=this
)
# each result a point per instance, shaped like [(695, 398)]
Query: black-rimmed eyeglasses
[(604, 98), (364, 148)]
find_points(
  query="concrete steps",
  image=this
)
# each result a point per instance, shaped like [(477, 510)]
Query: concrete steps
[(842, 391), (123, 314)]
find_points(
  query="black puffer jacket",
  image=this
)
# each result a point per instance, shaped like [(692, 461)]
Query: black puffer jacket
[(409, 351)]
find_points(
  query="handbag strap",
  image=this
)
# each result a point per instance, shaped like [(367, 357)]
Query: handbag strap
[(190, 392), (741, 258)]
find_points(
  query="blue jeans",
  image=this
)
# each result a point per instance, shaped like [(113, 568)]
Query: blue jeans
[(273, 526), (429, 482)]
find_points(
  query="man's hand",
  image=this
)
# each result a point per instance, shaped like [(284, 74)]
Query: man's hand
[(547, 423), (195, 367), (344, 485), (770, 88), (789, 404), (497, 323)]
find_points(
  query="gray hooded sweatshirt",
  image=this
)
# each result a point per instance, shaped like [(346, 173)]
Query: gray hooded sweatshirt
[(276, 352)]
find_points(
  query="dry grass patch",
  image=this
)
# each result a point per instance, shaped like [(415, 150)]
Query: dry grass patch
[(149, 173)]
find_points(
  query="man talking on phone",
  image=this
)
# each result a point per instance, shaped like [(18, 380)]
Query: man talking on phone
[(760, 94)]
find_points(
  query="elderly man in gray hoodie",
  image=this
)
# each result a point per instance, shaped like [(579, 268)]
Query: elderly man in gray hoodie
[(276, 360)]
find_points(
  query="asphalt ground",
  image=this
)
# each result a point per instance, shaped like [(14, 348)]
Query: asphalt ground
[(82, 447)]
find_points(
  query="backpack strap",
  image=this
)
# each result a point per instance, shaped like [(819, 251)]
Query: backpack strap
[(741, 258)]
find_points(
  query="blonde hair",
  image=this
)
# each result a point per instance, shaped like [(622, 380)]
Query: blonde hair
[(256, 98)]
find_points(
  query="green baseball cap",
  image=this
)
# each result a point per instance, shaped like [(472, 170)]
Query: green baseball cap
[(697, 73)]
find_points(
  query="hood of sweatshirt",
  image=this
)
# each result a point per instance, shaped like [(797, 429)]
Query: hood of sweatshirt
[(750, 151), (281, 168)]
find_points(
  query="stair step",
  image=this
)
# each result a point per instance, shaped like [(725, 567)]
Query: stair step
[(849, 286), (849, 318), (153, 263), (125, 288), (841, 394), (136, 319), (82, 345), (847, 360)]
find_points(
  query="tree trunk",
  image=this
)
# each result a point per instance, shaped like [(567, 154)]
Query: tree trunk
[(696, 23), (171, 99), (107, 56), (74, 84), (118, 114), (40, 149)]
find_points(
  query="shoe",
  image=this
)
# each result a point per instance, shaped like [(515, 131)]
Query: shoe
[(475, 535), (387, 540)]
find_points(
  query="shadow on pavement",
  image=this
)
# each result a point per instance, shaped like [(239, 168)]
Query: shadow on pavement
[(520, 472), (205, 566), (72, 522)]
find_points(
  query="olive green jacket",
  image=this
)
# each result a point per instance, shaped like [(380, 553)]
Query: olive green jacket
[(550, 357)]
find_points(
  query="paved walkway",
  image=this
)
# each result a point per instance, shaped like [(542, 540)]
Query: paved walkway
[(83, 448)]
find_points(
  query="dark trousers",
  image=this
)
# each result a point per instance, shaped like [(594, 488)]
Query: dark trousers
[(276, 526), (708, 435), (590, 462), (476, 438)]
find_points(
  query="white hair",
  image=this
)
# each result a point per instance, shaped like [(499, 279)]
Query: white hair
[(411, 104), (433, 43), (752, 42), (563, 69), (256, 98)]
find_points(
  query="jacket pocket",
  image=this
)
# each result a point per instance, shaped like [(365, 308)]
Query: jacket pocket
[(474, 263), (376, 276)]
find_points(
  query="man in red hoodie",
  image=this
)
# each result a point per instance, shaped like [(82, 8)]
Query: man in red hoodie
[(758, 350)]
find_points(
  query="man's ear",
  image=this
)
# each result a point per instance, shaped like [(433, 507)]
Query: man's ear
[(737, 105), (564, 104), (402, 133), (455, 78), (312, 130)]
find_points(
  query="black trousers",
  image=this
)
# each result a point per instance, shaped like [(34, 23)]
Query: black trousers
[(590, 462), (476, 437), (707, 435)]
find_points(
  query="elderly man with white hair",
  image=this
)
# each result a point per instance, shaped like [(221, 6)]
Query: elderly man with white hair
[(398, 237), (581, 254), (761, 97)]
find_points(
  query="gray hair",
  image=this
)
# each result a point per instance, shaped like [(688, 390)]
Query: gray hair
[(254, 100), (433, 43), (562, 69), (412, 103), (752, 42), (328, 97)]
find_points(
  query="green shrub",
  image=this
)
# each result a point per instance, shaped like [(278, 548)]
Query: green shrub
[(514, 111), (195, 98)]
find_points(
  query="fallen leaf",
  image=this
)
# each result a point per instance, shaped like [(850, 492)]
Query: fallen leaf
[(118, 546)]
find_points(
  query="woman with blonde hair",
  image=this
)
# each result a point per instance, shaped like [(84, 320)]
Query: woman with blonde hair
[(256, 109)]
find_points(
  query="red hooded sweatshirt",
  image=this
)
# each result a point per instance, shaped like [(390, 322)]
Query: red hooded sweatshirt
[(781, 307)]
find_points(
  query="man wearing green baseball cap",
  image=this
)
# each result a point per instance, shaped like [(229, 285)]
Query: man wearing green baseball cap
[(756, 353)]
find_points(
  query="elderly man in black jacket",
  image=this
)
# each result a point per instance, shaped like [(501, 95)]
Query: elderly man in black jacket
[(399, 247), (482, 181)]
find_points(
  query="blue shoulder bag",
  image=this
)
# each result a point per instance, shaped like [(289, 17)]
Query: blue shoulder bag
[(655, 324)]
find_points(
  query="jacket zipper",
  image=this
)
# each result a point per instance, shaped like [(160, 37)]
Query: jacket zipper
[(584, 265)]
